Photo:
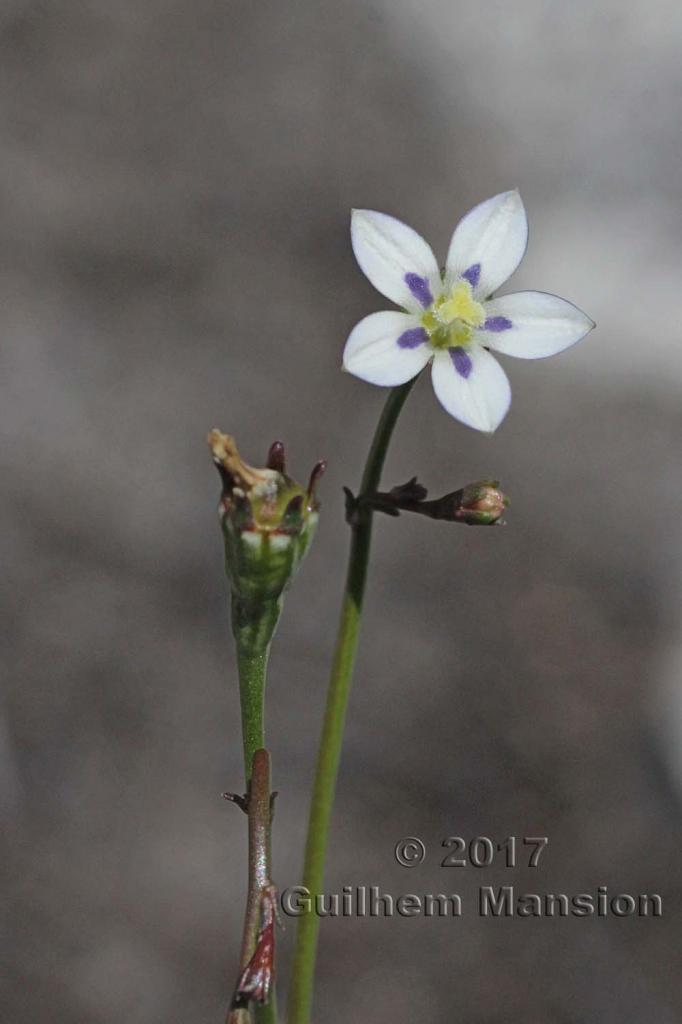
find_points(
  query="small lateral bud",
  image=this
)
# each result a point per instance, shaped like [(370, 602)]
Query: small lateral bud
[(480, 504)]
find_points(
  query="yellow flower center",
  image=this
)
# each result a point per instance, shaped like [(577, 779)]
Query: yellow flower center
[(451, 320)]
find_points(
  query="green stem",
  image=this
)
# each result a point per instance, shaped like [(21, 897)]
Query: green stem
[(300, 1000), (253, 632)]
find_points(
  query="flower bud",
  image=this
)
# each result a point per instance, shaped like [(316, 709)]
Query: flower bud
[(268, 522), (479, 504)]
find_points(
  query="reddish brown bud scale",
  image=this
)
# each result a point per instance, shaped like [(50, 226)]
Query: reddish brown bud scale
[(255, 981)]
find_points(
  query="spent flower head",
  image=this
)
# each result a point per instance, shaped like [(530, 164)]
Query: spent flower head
[(450, 318), (268, 520)]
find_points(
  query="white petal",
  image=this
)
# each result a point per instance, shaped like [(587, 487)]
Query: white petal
[(480, 400), (492, 236), (387, 251), (542, 325), (372, 351)]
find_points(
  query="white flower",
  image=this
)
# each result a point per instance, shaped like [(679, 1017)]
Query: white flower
[(450, 318)]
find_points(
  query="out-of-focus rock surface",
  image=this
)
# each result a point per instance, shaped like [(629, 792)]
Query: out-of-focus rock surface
[(176, 181)]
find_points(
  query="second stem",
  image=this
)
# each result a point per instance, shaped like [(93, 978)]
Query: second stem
[(300, 1000)]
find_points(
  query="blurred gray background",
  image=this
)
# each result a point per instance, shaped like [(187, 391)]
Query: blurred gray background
[(176, 181)]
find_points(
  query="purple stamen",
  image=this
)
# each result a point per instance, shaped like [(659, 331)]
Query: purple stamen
[(497, 323), (419, 287), (461, 361), (412, 338), (472, 274)]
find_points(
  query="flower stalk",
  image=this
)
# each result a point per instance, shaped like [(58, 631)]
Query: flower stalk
[(331, 739)]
